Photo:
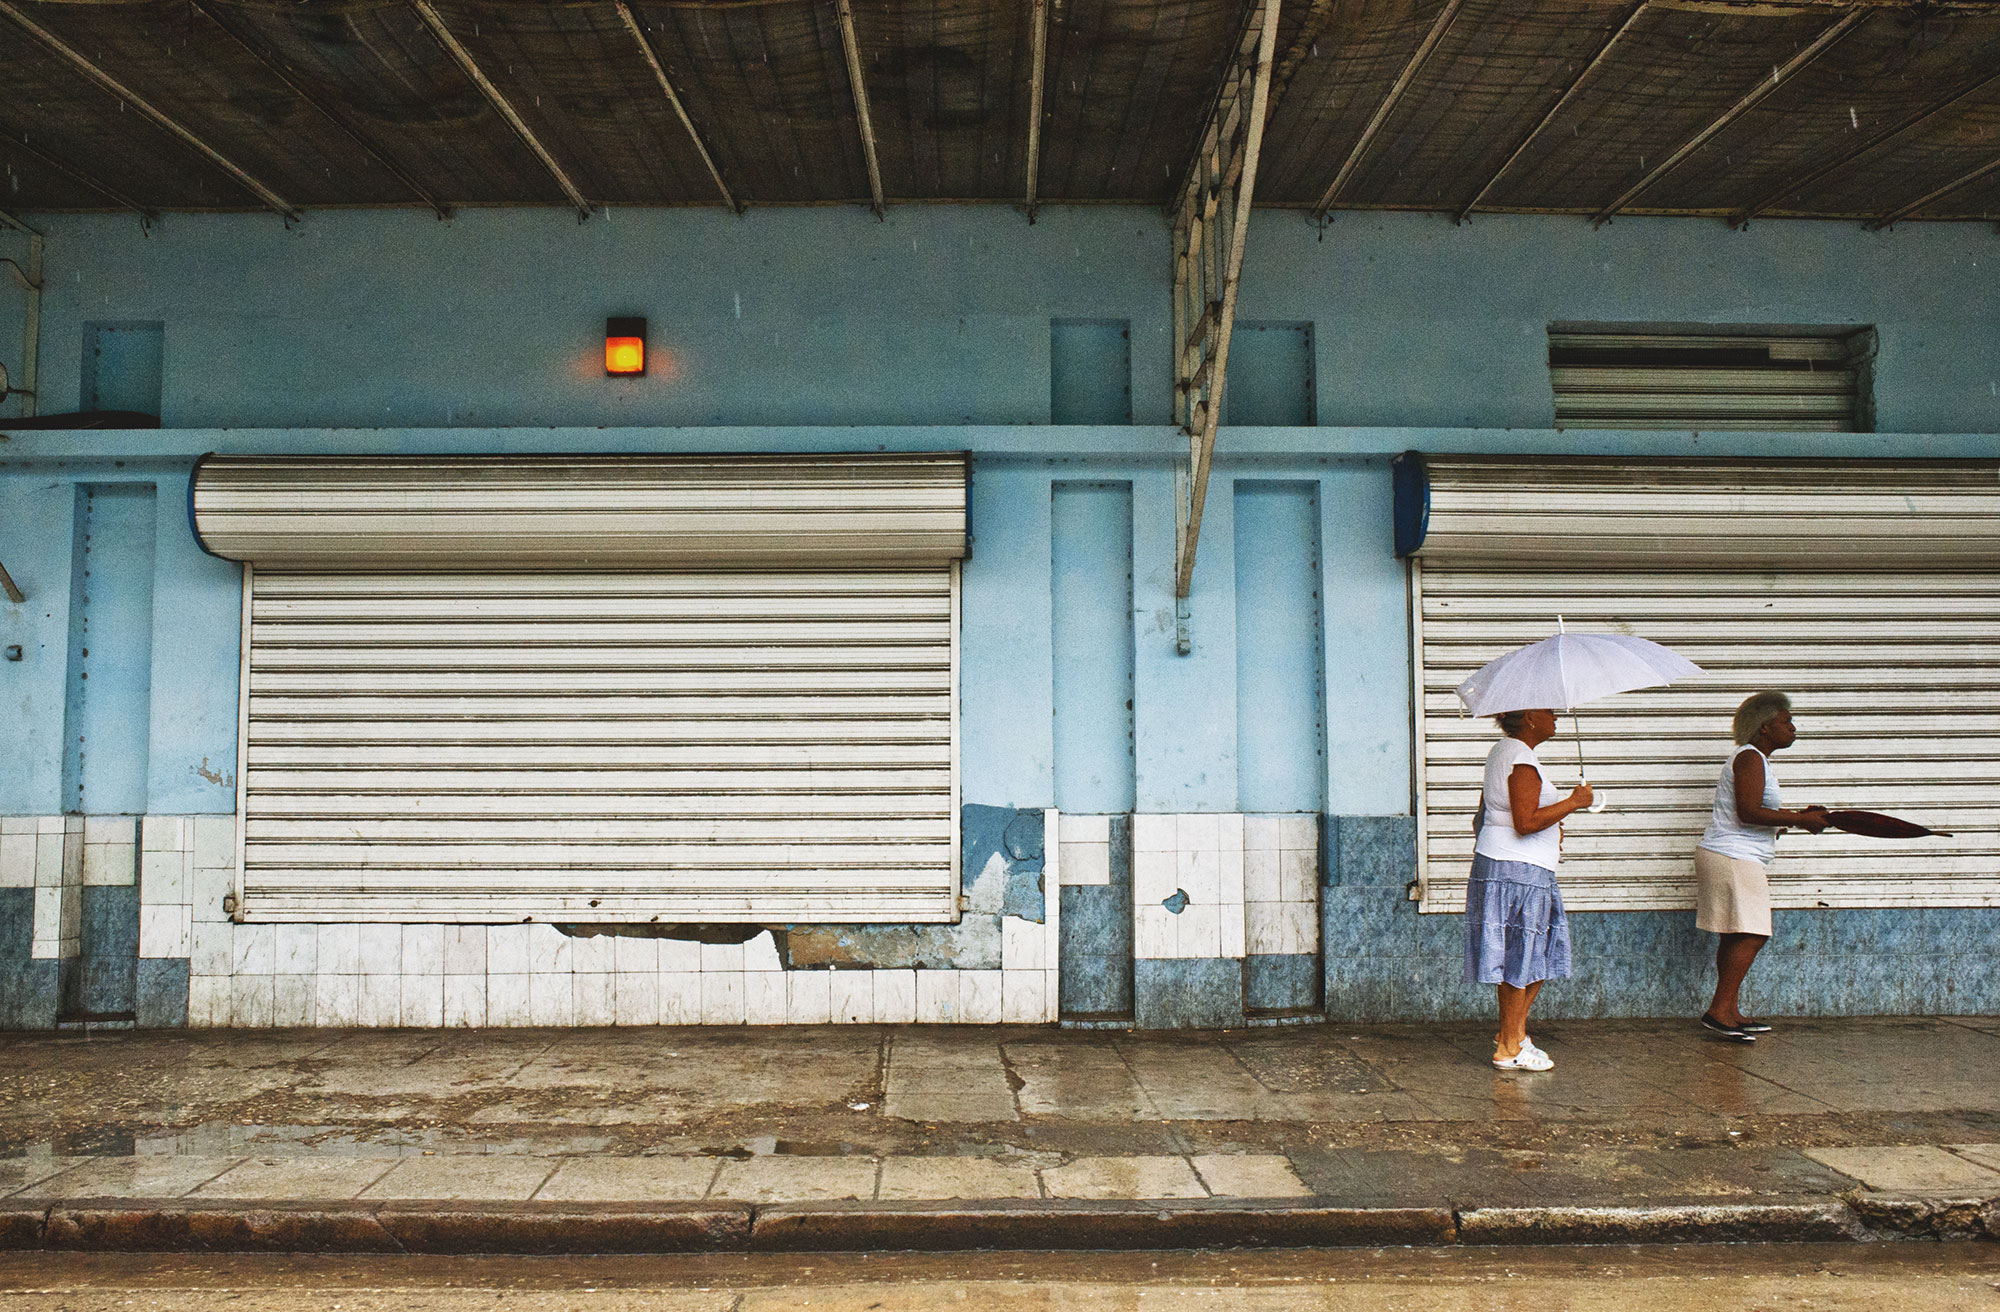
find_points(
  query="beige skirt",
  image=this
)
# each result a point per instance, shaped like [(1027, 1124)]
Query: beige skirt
[(1732, 895)]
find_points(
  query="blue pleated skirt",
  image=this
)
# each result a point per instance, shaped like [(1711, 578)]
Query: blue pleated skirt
[(1516, 931)]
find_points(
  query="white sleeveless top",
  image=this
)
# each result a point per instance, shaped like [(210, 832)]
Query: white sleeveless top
[(1497, 839), (1730, 836)]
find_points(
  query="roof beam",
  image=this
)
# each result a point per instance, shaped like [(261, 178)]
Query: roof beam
[(278, 204), (1962, 180), (852, 46), (70, 171), (1800, 182), (1439, 26), (501, 105), (673, 98), (1562, 102), (1819, 45), (1039, 72), (271, 60), (1211, 220)]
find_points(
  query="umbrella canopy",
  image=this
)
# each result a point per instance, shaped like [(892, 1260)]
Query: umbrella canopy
[(1570, 669)]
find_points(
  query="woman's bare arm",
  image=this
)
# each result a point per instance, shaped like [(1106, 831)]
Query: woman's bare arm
[(1524, 796), (1750, 808)]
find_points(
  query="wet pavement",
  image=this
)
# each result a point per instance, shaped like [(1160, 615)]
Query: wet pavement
[(1897, 1115), (1827, 1278)]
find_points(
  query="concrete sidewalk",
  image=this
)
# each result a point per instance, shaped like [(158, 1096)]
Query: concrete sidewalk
[(858, 1138)]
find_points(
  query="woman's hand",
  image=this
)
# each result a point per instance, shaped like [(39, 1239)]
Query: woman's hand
[(1580, 798), (1812, 819)]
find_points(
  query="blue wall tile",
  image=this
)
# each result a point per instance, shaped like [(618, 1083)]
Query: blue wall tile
[(162, 993), (1187, 993)]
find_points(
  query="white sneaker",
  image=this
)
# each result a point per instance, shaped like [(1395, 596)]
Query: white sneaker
[(1529, 1058)]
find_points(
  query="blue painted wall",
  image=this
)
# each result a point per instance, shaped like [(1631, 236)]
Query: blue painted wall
[(1280, 710), (1090, 621), (107, 708)]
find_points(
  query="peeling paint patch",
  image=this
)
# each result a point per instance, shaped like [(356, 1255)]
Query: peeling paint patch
[(214, 776), (1006, 846)]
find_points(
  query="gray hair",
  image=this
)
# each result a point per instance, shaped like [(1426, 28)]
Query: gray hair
[(1758, 710), (1510, 722)]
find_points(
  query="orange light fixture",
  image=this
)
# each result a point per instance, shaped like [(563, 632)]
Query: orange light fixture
[(624, 348)]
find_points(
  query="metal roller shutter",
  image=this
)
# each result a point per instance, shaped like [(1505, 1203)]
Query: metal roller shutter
[(1868, 590), (1797, 381), (1896, 679), (715, 746)]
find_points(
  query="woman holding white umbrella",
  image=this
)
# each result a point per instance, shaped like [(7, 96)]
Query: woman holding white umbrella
[(1516, 931)]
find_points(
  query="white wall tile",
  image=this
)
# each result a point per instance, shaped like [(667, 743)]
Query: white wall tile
[(339, 951), (1298, 833), (551, 998), (593, 954), (381, 1000), (292, 1001), (1299, 872), (1263, 930), (1230, 925), (507, 950), (1199, 933), (163, 878), (1155, 833), (761, 953), (208, 1001), (895, 996), (721, 957), (1023, 997), (465, 1001), (422, 1001), (47, 931), (465, 950), (423, 949), (1261, 833), (1229, 831), (256, 949), (594, 994), (110, 865), (165, 932), (1020, 944), (213, 842), (120, 829), (722, 997), (1263, 878), (336, 1000), (507, 998), (1201, 875), (1304, 920), (1085, 865), (163, 833), (1198, 832), (764, 1001), (379, 951), (937, 997), (679, 954), (1153, 934), (633, 954), (252, 1000), (1083, 828), (206, 889), (1155, 876), (979, 996), (51, 824), (17, 860), (548, 950), (809, 996), (680, 997), (213, 949), (635, 997), (853, 997), (1229, 876)]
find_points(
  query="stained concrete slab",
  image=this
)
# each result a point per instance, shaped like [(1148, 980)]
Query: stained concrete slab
[(652, 1179), (955, 1177), (1249, 1175), (131, 1177), (485, 1178), (795, 1179), (1916, 1169), (1124, 1177), (307, 1179), (1985, 1154)]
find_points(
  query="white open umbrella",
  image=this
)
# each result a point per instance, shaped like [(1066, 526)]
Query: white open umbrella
[(1568, 670)]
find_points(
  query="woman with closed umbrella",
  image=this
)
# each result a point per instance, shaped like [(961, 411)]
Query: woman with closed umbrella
[(1516, 932), (1733, 861)]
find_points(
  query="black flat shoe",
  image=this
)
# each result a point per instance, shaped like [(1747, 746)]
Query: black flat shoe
[(1732, 1032), (1749, 1026)]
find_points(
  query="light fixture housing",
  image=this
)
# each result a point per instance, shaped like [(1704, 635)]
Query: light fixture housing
[(624, 347)]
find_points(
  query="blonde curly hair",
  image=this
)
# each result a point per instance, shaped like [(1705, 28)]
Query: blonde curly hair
[(1758, 710)]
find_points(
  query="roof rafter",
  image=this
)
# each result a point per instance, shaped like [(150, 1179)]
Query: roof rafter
[(283, 71), (1439, 26), (1800, 182), (1819, 45), (1036, 85), (278, 204), (1632, 16), (77, 175), (501, 105), (1962, 180), (673, 98), (852, 46)]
